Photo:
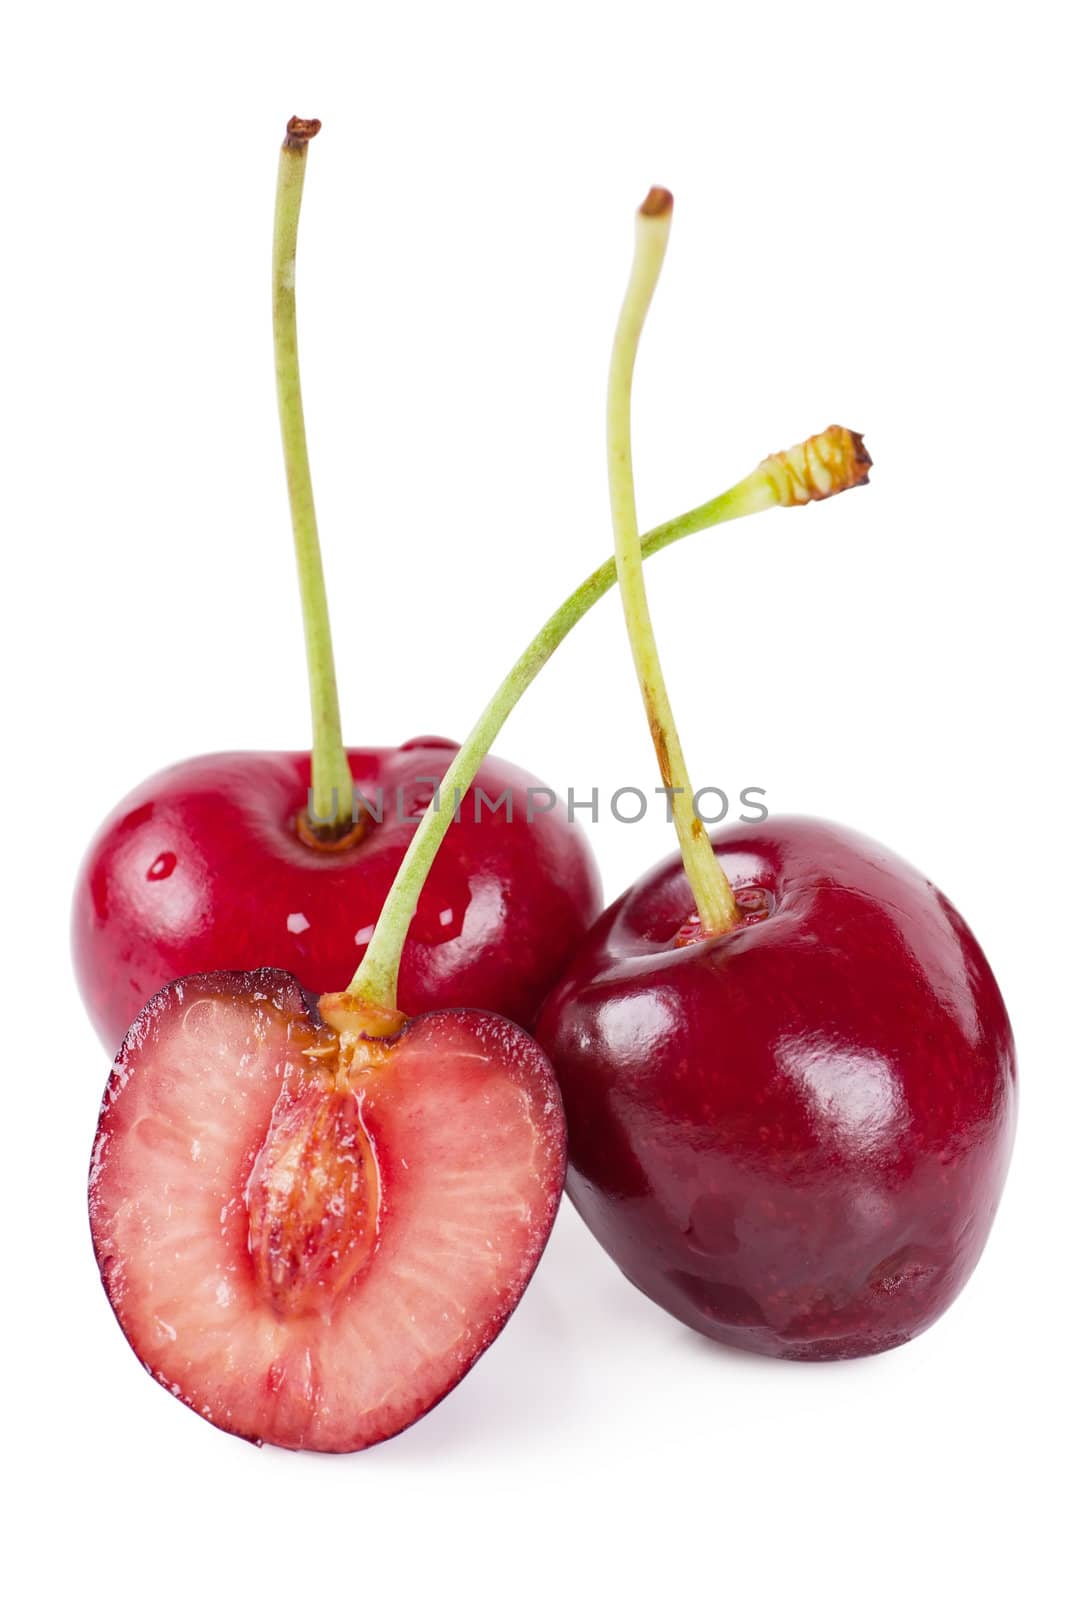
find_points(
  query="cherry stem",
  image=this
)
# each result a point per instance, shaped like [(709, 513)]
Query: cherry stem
[(826, 464), (714, 898), (331, 779)]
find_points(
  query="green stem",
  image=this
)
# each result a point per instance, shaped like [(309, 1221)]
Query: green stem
[(711, 890), (375, 981), (331, 780)]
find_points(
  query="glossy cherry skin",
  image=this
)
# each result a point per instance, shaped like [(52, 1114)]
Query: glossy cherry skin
[(792, 1137), (202, 869)]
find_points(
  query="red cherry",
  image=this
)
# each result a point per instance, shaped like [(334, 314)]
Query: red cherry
[(310, 1235), (788, 1072), (792, 1136), (204, 868)]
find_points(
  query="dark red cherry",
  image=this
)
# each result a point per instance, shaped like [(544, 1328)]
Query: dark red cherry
[(794, 1136)]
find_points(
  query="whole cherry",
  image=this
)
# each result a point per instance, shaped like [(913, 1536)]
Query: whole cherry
[(249, 859), (211, 865), (792, 1135), (788, 1072)]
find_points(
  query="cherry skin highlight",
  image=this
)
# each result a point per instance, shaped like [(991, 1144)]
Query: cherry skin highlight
[(792, 1137), (309, 1236), (204, 868)]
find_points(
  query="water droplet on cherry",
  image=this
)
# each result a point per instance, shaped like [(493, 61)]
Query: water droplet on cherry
[(162, 866), (754, 904)]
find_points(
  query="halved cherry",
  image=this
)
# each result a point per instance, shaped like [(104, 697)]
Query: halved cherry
[(310, 1224)]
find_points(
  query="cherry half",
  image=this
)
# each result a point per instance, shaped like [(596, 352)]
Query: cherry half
[(311, 1221), (788, 1072)]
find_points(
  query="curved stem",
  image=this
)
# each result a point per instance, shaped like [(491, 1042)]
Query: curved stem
[(714, 898), (842, 463), (331, 780)]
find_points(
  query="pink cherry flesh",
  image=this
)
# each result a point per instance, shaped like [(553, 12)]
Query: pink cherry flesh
[(310, 1250), (792, 1137), (203, 869)]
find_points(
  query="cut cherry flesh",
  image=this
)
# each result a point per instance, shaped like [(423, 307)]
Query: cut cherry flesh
[(203, 869), (308, 1246), (794, 1136)]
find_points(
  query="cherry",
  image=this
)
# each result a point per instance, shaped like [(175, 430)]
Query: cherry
[(206, 867), (793, 1136), (311, 1222), (791, 1108), (241, 860)]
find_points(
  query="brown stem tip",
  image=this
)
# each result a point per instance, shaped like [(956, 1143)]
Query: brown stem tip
[(299, 130), (657, 203), (832, 461), (861, 456)]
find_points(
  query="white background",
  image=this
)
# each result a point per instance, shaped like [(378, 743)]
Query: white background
[(866, 232)]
